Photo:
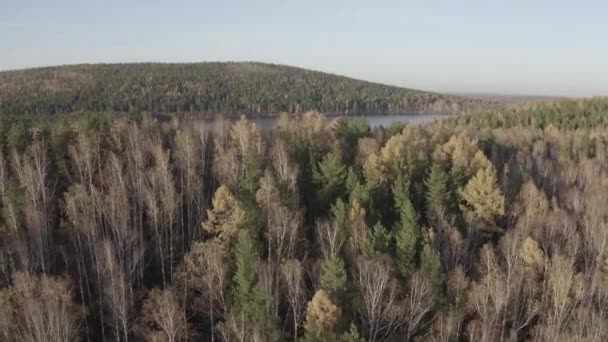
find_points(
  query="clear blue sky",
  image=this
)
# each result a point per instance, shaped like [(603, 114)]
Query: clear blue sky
[(510, 46)]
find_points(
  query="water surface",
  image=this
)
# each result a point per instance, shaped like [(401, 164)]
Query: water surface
[(384, 120)]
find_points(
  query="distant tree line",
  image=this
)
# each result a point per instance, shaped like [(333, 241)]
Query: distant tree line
[(228, 88), (567, 114), (118, 229)]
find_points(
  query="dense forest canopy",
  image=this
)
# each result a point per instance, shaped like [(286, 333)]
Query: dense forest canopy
[(228, 88), (478, 228)]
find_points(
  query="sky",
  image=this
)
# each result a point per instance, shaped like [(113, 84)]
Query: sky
[(548, 47)]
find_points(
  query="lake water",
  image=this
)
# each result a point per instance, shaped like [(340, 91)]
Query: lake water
[(373, 120)]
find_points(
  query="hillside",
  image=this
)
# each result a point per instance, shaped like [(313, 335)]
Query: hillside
[(234, 88)]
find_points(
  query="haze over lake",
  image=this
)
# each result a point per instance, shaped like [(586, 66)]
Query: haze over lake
[(384, 120)]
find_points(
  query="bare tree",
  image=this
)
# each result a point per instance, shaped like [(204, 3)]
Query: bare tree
[(487, 296), (329, 238), (33, 171), (162, 203), (418, 304), (117, 292), (378, 302), (205, 272), (295, 290), (163, 314), (42, 310)]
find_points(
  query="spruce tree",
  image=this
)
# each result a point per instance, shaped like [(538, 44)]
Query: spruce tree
[(245, 256), (407, 232), (249, 299), (339, 215), (333, 278), (438, 193), (379, 241), (431, 268), (330, 176)]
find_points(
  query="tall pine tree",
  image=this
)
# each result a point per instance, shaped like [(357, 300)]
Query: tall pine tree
[(407, 232)]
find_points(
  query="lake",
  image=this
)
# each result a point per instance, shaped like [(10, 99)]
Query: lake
[(384, 120)]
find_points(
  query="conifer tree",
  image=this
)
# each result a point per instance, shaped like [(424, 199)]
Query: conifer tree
[(379, 240), (407, 232), (330, 175), (245, 257), (438, 193), (333, 278), (253, 171), (352, 335), (250, 302), (339, 214), (431, 268)]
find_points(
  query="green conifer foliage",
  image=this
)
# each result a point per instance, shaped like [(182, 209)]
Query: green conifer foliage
[(438, 192), (407, 232), (333, 278), (431, 268), (330, 175)]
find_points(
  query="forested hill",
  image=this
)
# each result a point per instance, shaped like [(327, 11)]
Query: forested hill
[(231, 88)]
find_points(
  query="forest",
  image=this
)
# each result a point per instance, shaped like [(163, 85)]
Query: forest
[(484, 227), (209, 88)]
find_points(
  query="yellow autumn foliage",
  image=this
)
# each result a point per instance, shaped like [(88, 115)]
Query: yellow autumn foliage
[(482, 197)]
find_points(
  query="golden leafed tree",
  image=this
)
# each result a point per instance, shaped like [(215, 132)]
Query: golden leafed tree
[(322, 314), (532, 257), (482, 197), (226, 216)]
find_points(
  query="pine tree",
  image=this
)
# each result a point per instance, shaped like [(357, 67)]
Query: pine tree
[(438, 193), (245, 257), (379, 241), (431, 268), (249, 299), (333, 278), (330, 176), (407, 232), (253, 171), (339, 214), (352, 335), (401, 191)]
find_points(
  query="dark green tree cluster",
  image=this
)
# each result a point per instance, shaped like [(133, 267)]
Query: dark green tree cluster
[(563, 114)]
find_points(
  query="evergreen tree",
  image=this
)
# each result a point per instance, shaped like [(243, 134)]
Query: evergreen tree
[(253, 171), (352, 335), (333, 278), (362, 193), (431, 268), (245, 255), (249, 299), (339, 215), (330, 175), (407, 232), (379, 241), (438, 193)]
